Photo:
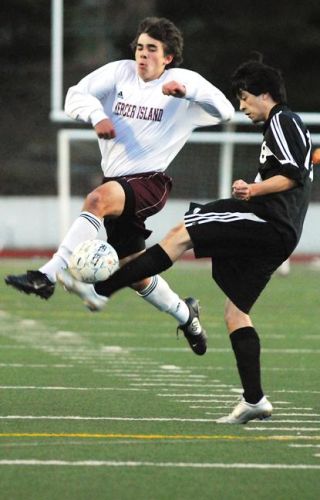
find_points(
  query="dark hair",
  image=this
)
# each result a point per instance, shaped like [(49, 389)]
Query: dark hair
[(258, 78), (166, 32)]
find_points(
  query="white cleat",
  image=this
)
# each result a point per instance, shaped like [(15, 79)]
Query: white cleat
[(85, 291), (244, 412)]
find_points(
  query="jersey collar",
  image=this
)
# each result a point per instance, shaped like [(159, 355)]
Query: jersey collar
[(273, 111), (152, 83)]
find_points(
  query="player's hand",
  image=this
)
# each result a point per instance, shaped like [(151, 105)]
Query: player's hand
[(105, 129), (241, 190), (173, 88)]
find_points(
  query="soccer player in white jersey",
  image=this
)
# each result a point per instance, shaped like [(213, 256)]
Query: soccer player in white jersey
[(143, 112), (247, 236)]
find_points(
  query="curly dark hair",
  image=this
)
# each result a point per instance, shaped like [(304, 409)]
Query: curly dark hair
[(166, 32), (258, 78)]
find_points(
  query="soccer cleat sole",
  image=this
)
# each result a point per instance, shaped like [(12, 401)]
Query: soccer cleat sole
[(27, 289)]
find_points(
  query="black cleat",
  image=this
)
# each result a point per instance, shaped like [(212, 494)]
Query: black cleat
[(32, 282), (193, 330)]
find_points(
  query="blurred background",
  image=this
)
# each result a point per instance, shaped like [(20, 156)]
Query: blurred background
[(219, 35)]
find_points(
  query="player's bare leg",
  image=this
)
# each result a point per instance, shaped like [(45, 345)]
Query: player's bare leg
[(107, 199)]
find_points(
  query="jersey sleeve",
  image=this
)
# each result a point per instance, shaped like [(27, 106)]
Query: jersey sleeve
[(209, 105), (290, 146), (84, 100)]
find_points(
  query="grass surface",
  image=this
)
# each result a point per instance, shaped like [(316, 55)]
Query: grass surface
[(112, 406)]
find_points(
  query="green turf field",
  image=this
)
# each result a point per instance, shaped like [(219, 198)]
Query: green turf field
[(113, 406)]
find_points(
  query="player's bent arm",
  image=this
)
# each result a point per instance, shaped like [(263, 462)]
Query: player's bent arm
[(84, 100), (209, 97), (84, 107), (196, 89), (275, 184), (244, 191), (174, 88), (105, 129)]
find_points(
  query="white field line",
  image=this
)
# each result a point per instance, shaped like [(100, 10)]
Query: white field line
[(126, 350), (147, 419), (194, 395), (9, 346), (173, 384), (276, 421), (70, 442), (122, 419), (158, 370), (294, 391), (299, 408), (139, 362), (221, 350), (227, 401), (153, 372), (271, 369), (26, 365), (193, 465), (297, 429), (224, 408), (155, 379), (61, 388), (298, 414), (304, 445), (212, 407), (226, 350), (275, 414), (220, 400)]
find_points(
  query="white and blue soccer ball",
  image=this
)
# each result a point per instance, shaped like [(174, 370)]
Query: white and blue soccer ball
[(93, 261)]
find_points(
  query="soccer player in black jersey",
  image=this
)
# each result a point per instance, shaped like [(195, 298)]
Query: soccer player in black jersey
[(247, 236)]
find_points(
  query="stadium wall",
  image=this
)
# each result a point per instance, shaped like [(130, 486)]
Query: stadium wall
[(32, 223)]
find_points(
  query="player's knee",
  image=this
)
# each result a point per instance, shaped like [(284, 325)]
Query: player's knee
[(235, 318), (108, 199), (94, 202), (229, 318)]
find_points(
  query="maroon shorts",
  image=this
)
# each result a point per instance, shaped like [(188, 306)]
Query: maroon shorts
[(146, 194)]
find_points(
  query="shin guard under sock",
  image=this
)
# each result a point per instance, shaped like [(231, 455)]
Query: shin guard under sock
[(246, 346), (153, 261)]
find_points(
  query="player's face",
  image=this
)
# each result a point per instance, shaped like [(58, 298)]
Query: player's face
[(150, 58), (254, 106)]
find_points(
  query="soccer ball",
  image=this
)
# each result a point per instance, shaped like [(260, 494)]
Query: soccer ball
[(93, 261)]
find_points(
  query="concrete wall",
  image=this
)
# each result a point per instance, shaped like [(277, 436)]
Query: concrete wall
[(33, 222)]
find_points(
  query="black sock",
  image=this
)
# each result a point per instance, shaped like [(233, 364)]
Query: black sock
[(246, 346), (153, 261)]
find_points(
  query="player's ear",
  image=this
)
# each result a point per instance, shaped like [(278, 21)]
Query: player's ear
[(168, 59)]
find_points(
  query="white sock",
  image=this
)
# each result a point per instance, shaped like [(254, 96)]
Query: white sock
[(85, 227), (55, 264), (159, 294)]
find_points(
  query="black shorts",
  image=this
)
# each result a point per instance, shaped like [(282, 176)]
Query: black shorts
[(146, 194), (245, 250)]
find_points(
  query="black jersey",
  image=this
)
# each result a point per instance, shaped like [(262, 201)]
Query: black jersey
[(286, 150)]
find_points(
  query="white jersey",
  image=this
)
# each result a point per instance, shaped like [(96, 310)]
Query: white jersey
[(150, 127)]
